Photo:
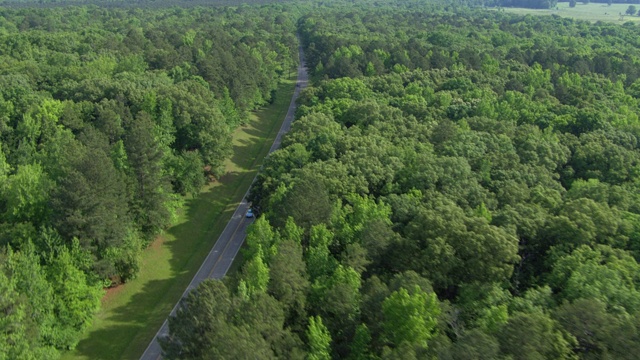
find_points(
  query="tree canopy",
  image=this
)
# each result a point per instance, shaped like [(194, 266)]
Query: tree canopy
[(109, 117)]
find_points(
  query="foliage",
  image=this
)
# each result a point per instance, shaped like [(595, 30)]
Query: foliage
[(410, 318), (456, 185), (319, 340), (107, 117)]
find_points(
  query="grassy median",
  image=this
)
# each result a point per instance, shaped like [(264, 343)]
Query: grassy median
[(131, 314)]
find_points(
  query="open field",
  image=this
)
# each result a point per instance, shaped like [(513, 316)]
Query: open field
[(590, 12), (132, 313)]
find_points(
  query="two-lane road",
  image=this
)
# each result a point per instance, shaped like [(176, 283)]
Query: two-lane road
[(224, 251)]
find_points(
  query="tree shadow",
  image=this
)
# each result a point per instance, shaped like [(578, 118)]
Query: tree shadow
[(257, 140), (136, 322)]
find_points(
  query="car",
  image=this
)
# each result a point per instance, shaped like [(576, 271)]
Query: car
[(249, 213)]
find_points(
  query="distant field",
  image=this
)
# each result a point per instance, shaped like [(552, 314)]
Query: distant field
[(590, 12)]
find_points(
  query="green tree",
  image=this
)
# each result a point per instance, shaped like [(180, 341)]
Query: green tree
[(360, 347), (256, 274), (476, 345), (187, 171), (199, 123), (26, 193), (535, 336), (5, 169), (307, 202), (320, 261), (149, 203), (631, 10), (447, 243), (76, 298), (599, 334), (29, 278), (609, 275), (410, 317), (337, 299), (89, 204), (200, 316), (288, 280), (15, 342), (319, 340), (260, 237), (263, 318)]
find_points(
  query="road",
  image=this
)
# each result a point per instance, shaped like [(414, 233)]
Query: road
[(224, 251)]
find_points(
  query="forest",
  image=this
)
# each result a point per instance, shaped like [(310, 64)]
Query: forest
[(458, 183), (109, 118), (456, 186)]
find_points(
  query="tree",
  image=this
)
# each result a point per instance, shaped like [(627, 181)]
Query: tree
[(199, 123), (260, 237), (599, 334), (5, 168), (289, 281), (76, 298), (484, 306), (319, 340), (149, 203), (256, 274), (187, 170), (446, 244), (14, 323), (26, 194), (307, 202), (29, 280), (200, 316), (631, 10), (320, 261), (90, 204), (360, 347), (410, 318), (337, 299), (534, 336), (264, 319), (476, 345), (603, 273), (212, 323)]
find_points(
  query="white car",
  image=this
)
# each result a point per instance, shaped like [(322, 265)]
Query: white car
[(249, 213)]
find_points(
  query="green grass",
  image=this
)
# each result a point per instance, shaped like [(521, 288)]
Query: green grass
[(590, 12), (131, 314)]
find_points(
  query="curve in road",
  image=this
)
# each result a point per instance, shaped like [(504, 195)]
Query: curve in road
[(224, 251)]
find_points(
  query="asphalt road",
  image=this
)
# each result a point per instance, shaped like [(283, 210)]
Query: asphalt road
[(224, 251)]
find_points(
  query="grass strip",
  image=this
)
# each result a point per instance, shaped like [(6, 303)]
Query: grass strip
[(132, 313)]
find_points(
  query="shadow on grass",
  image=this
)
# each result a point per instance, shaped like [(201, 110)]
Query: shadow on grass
[(254, 140), (132, 325)]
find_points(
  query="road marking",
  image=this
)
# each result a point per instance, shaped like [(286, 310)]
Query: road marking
[(217, 261)]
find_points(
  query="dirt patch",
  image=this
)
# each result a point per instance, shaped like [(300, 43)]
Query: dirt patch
[(157, 243), (111, 292), (229, 177)]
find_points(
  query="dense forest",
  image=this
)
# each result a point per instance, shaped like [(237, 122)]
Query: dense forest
[(455, 186), (108, 119), (458, 184)]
